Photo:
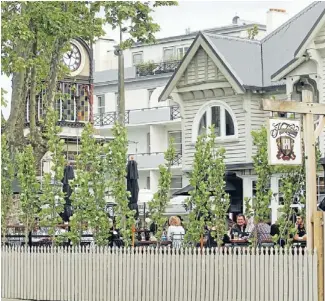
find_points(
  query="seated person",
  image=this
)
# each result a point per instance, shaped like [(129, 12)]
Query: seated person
[(175, 232), (239, 229), (262, 231), (301, 231), (211, 242)]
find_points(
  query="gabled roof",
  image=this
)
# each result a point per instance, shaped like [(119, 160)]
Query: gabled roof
[(279, 46), (202, 40), (253, 63)]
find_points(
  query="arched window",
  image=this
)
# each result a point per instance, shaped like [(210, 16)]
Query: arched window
[(218, 114)]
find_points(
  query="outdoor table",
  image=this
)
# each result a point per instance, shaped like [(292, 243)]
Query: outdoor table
[(299, 243), (239, 242), (147, 243)]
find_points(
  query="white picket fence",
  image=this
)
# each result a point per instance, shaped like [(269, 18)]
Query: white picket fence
[(143, 274)]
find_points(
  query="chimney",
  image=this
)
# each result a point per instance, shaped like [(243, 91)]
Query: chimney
[(275, 17), (187, 31)]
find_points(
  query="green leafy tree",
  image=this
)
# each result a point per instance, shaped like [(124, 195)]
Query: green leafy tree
[(219, 200), (118, 189), (34, 37), (7, 177), (89, 185), (30, 187), (52, 198), (208, 202), (161, 198)]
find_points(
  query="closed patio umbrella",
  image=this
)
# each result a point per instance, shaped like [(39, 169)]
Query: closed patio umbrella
[(132, 184), (67, 175)]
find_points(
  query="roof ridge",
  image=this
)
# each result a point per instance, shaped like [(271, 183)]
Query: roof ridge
[(225, 37), (285, 24)]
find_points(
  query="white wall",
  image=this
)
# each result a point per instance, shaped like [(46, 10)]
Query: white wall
[(138, 134), (136, 99), (159, 139)]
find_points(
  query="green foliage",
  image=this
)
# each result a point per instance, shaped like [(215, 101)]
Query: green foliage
[(124, 216), (7, 176), (161, 198), (134, 18), (259, 208), (29, 196), (208, 202), (252, 32), (89, 185), (52, 198)]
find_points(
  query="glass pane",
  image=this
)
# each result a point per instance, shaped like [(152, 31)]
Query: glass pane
[(101, 102), (215, 120), (203, 124), (137, 58), (168, 54), (230, 129)]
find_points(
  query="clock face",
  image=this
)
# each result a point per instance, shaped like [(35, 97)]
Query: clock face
[(72, 58)]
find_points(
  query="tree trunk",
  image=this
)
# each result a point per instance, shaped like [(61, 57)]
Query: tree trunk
[(121, 91), (15, 124), (54, 68), (32, 101)]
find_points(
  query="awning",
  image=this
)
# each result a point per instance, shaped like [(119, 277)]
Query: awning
[(185, 191)]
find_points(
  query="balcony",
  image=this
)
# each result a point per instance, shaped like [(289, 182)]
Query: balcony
[(140, 116), (150, 68), (153, 160)]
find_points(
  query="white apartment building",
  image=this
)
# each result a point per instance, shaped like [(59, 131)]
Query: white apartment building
[(150, 123)]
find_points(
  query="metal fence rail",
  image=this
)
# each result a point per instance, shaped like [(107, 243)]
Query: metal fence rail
[(143, 274)]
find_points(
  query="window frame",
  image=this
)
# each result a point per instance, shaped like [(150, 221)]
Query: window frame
[(183, 49), (99, 107), (170, 134), (168, 48), (180, 179), (137, 53), (207, 108)]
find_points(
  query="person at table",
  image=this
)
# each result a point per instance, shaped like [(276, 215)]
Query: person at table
[(239, 229), (175, 231), (211, 242), (262, 231), (301, 231)]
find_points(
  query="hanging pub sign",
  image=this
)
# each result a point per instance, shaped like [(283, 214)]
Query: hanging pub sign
[(284, 142)]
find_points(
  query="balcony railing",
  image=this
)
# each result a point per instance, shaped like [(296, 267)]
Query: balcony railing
[(153, 160), (140, 116), (146, 69)]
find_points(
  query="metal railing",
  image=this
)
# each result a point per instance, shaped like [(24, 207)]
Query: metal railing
[(176, 162), (147, 69), (109, 118)]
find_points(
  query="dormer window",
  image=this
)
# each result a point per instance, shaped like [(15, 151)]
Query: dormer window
[(218, 114)]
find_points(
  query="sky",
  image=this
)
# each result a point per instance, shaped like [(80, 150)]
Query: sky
[(198, 15)]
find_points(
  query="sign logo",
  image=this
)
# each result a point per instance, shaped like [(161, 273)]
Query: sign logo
[(284, 142)]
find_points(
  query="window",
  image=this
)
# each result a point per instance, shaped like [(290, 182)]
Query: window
[(176, 184), (148, 183), (254, 190), (82, 96), (217, 114), (168, 54), (69, 103), (181, 51), (137, 58), (177, 137), (101, 104)]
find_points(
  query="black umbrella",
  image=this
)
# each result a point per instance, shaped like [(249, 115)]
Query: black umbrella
[(132, 184), (67, 175)]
